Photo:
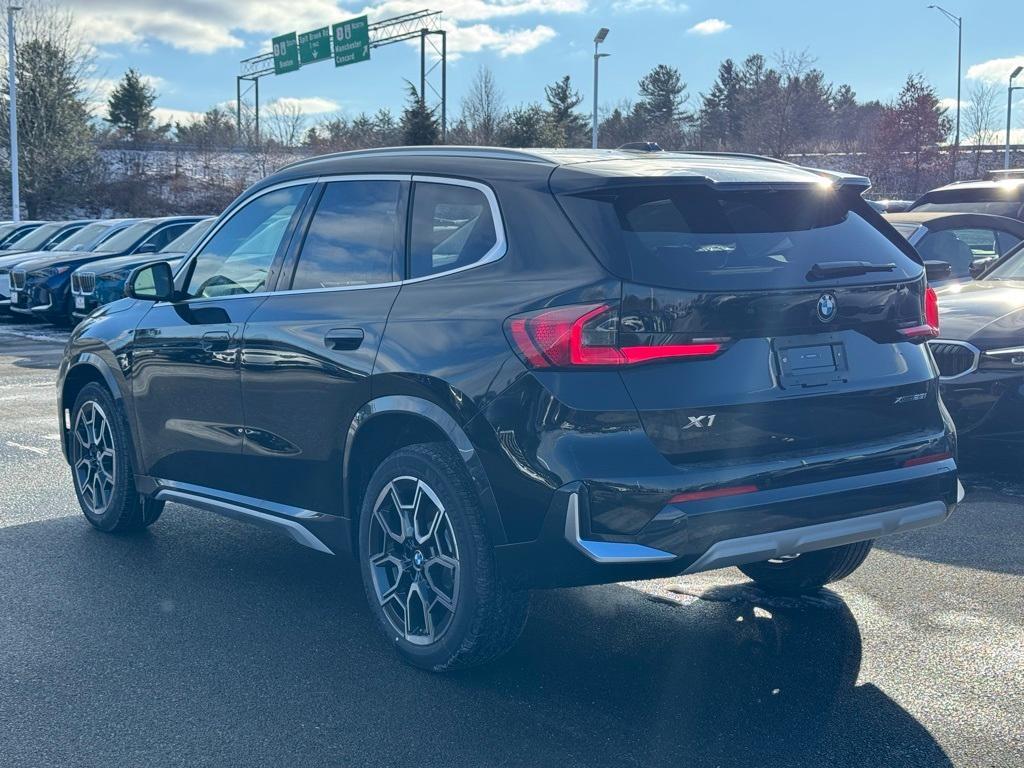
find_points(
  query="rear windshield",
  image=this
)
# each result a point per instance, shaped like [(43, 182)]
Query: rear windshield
[(696, 237)]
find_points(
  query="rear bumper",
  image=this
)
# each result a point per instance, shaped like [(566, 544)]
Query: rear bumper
[(716, 533)]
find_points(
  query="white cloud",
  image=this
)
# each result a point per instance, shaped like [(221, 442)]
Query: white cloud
[(950, 104), (709, 27), (478, 37), (664, 6), (996, 70), (205, 26), (170, 115), (312, 105)]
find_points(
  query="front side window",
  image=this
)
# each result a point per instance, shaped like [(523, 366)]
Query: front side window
[(355, 237), (164, 235), (452, 227), (957, 247), (237, 259)]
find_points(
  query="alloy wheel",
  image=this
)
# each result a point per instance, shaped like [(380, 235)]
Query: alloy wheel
[(414, 560), (94, 460)]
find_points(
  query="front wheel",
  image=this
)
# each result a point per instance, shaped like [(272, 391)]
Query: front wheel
[(101, 465), (428, 565), (809, 571)]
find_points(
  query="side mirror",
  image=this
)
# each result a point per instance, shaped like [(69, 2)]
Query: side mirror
[(978, 267), (938, 270), (151, 282), (147, 248)]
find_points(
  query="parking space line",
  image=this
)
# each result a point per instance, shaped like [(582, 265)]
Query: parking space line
[(33, 449)]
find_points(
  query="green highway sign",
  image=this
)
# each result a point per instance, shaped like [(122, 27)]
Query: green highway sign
[(315, 45), (351, 41), (286, 54)]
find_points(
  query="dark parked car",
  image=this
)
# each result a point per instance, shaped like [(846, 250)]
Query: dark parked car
[(482, 371), (980, 354), (1000, 198), (968, 242), (87, 238), (101, 282), (42, 286)]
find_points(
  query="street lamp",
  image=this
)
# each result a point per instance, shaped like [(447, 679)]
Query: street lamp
[(602, 33), (1009, 110), (959, 51), (13, 87)]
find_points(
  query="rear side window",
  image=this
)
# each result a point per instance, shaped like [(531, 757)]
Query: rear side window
[(695, 237), (355, 237), (452, 227)]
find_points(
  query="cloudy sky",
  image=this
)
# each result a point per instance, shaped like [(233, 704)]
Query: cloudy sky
[(190, 49)]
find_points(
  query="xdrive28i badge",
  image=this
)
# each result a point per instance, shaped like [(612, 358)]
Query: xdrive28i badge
[(827, 307)]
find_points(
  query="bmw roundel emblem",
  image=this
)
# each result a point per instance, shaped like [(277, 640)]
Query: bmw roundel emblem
[(827, 307)]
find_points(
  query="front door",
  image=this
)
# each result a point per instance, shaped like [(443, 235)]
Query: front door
[(185, 355)]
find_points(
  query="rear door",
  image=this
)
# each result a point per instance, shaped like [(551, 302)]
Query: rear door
[(802, 296), (309, 349)]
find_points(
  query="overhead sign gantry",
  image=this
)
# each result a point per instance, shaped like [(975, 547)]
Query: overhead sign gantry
[(347, 42)]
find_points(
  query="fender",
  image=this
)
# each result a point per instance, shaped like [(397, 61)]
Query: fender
[(115, 382), (441, 419)]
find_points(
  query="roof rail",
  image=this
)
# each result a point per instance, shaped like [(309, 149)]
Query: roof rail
[(494, 153)]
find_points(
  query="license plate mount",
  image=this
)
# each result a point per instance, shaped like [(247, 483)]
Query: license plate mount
[(803, 365), (79, 302)]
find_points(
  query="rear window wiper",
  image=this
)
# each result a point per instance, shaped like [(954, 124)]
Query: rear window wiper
[(846, 269)]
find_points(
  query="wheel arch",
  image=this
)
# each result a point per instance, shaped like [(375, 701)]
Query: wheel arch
[(387, 423), (88, 367)]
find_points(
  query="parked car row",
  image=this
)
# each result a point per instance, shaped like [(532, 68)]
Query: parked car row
[(61, 271), (970, 236)]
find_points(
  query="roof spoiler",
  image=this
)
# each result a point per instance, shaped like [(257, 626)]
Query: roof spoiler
[(838, 179)]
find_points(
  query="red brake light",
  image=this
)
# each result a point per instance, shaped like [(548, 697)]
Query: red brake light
[(588, 335), (930, 329)]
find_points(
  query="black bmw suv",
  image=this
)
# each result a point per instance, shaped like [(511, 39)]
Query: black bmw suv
[(482, 371)]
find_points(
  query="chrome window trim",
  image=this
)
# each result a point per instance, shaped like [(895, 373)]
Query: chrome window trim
[(497, 251), (957, 343)]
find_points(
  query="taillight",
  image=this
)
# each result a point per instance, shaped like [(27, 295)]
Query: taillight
[(930, 329), (588, 335)]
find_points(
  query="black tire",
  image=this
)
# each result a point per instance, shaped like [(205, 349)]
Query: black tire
[(487, 616), (123, 509), (809, 571)]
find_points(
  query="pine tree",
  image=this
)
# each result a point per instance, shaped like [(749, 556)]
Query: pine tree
[(662, 95), (130, 107), (418, 124), (562, 101)]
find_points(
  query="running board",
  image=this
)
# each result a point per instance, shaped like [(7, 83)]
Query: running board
[(295, 530)]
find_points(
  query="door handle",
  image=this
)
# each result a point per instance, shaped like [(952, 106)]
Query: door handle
[(216, 340), (343, 338)]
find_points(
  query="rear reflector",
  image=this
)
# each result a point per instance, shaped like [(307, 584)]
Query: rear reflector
[(929, 459), (717, 493), (587, 335)]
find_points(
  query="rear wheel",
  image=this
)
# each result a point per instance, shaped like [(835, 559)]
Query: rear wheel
[(428, 565), (809, 571), (101, 465)]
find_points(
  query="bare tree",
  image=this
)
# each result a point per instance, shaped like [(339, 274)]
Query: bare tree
[(286, 124), (980, 118), (483, 108)]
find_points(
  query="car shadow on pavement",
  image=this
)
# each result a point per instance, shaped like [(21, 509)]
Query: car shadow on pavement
[(206, 642)]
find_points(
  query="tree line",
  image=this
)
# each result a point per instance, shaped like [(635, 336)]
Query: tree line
[(779, 106)]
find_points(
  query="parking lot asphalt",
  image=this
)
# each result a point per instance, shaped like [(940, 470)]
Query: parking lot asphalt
[(203, 641)]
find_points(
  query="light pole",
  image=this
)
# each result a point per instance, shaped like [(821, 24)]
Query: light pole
[(602, 33), (1009, 111), (13, 88), (959, 56)]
